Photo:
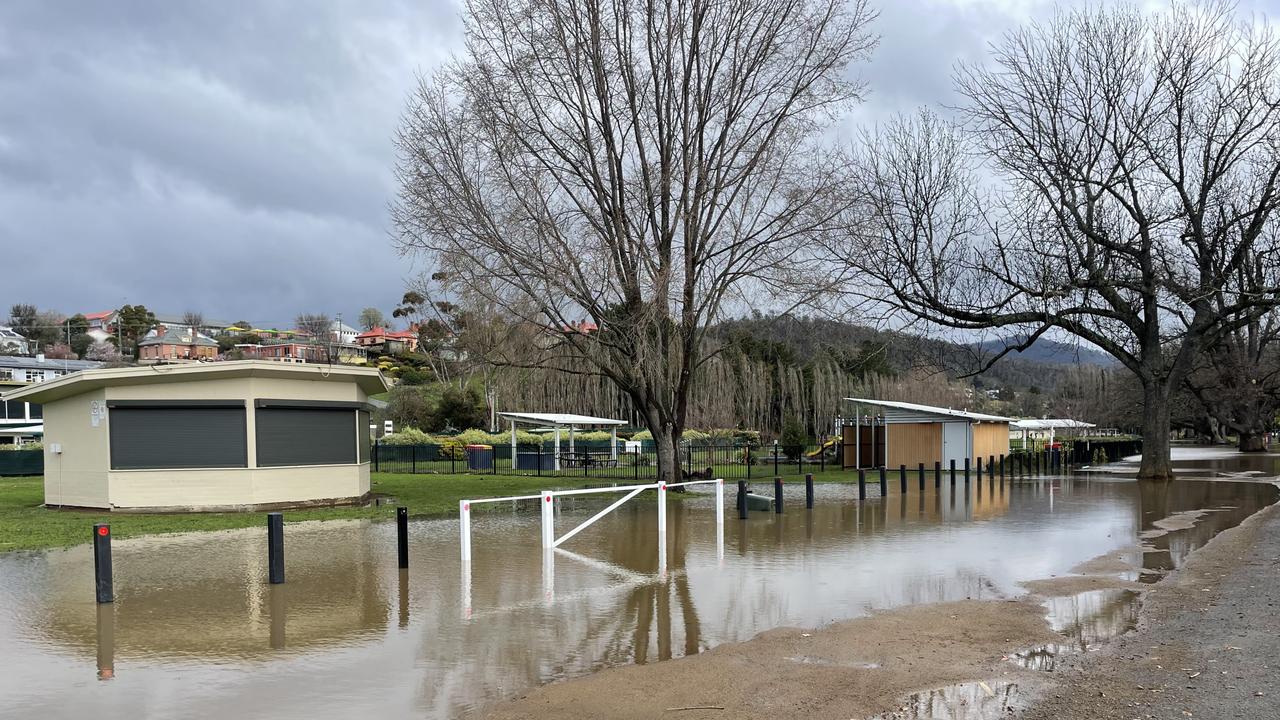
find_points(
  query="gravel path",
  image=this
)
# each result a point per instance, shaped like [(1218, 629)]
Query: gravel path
[(1207, 644)]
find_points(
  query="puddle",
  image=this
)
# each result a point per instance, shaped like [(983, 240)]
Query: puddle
[(1086, 621), (982, 700)]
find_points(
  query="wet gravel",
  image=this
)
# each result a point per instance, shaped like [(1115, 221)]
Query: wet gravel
[(1207, 643)]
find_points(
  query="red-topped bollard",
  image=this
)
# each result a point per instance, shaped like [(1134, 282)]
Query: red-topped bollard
[(102, 562)]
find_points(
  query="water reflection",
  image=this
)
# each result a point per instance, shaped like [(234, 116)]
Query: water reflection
[(984, 700), (1086, 621), (195, 614)]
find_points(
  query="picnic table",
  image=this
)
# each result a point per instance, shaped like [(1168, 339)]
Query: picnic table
[(588, 459)]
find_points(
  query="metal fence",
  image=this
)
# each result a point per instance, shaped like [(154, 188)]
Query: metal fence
[(21, 462)]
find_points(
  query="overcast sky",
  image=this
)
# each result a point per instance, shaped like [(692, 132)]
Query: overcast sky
[(236, 158)]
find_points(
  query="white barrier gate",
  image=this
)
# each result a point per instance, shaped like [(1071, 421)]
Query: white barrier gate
[(550, 543)]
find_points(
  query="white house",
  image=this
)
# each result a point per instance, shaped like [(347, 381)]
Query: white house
[(342, 333), (12, 342), (22, 421)]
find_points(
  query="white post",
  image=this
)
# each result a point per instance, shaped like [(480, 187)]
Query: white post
[(571, 431), (720, 520), (548, 521), (662, 530), (556, 459), (464, 529), (548, 574), (513, 444), (613, 443)]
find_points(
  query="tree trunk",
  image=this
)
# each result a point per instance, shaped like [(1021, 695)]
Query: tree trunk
[(1251, 442), (668, 464), (1155, 433)]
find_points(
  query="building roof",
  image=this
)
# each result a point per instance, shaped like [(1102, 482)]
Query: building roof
[(386, 333), (99, 315), (1049, 424), (177, 336), (369, 379), (165, 319), (561, 419), (930, 410), (20, 362)]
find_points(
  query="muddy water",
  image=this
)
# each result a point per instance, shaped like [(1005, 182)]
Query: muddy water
[(196, 631)]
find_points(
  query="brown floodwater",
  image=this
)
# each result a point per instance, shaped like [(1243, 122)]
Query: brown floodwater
[(197, 632)]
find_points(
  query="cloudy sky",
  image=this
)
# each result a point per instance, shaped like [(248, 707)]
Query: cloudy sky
[(235, 157)]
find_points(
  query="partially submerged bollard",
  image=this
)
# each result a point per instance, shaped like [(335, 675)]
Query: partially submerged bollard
[(275, 547), (808, 491), (966, 471), (102, 563), (884, 486), (862, 484), (937, 473), (902, 478), (979, 469), (777, 495), (921, 477), (402, 537), (953, 472), (742, 499)]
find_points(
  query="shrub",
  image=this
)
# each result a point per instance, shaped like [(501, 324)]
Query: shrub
[(793, 438), (27, 446), (408, 436)]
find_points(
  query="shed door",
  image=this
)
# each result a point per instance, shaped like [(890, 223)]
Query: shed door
[(955, 443)]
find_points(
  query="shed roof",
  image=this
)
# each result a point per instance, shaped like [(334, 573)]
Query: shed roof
[(931, 410), (369, 379), (1050, 424), (561, 419)]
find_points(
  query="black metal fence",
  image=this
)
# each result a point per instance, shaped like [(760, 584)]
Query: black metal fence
[(21, 462)]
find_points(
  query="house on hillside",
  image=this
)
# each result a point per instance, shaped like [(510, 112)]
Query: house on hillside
[(176, 344), (102, 325), (13, 343), (207, 326), (342, 333), (387, 341)]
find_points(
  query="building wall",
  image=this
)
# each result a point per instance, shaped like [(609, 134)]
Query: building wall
[(913, 443), (990, 439), (78, 475), (81, 475)]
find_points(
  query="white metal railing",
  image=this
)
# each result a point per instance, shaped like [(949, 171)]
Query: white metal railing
[(550, 543)]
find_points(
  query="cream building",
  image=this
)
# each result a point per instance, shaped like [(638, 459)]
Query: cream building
[(217, 436)]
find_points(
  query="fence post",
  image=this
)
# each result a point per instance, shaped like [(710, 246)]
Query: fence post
[(537, 460), (548, 521), (862, 484), (453, 460), (376, 445), (742, 499), (808, 491), (777, 495), (402, 536), (902, 478), (275, 547), (775, 458), (822, 455), (748, 457), (635, 465), (102, 563), (413, 459)]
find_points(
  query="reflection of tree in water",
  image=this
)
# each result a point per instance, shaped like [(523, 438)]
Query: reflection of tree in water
[(1228, 502), (966, 701)]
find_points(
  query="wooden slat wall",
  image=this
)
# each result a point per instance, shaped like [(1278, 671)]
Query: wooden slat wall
[(914, 443), (990, 439)]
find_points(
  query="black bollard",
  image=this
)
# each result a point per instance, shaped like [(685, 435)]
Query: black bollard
[(777, 495), (1001, 467), (102, 562), (953, 472), (937, 473), (275, 547), (808, 491), (902, 478), (922, 477), (862, 484), (979, 470), (991, 467), (884, 485), (966, 471), (742, 499), (402, 536)]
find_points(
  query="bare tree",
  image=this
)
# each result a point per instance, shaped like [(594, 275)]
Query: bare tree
[(1136, 162), (370, 318), (320, 327), (615, 172), (193, 320)]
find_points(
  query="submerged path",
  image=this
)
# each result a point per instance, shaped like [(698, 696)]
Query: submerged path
[(1207, 643)]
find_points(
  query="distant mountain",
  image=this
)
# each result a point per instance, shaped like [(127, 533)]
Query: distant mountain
[(1051, 352)]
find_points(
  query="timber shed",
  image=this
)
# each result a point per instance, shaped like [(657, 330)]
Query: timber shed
[(902, 433), (210, 436)]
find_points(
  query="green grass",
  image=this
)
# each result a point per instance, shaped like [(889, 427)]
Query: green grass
[(26, 525)]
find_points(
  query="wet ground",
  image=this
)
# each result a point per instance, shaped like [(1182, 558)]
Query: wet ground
[(196, 631)]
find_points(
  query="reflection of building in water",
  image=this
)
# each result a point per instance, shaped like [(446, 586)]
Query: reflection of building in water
[(207, 598), (1175, 518)]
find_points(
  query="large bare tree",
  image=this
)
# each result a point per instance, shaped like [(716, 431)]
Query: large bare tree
[(1133, 160), (616, 173)]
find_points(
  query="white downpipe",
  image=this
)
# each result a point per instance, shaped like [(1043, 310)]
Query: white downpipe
[(513, 444), (556, 459), (548, 521), (597, 516)]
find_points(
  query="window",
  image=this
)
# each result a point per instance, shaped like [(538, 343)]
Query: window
[(35, 410), (15, 410), (177, 434), (6, 374), (35, 376), (297, 432)]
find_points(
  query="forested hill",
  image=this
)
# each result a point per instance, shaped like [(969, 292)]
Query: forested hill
[(861, 350)]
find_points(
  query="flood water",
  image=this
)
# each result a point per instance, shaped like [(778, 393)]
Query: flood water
[(197, 632)]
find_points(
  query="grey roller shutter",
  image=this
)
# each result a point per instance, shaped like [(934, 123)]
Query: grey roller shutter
[(362, 429), (305, 436), (177, 437)]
